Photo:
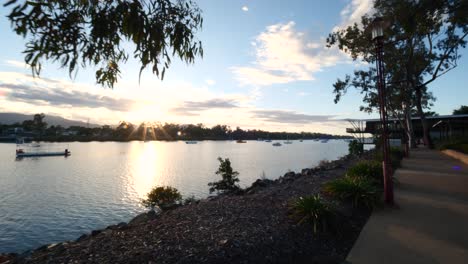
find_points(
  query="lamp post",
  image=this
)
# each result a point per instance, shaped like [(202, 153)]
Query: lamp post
[(377, 28)]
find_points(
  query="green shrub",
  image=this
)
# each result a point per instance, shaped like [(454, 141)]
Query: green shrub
[(314, 210), (355, 148), (457, 144), (368, 168), (396, 155), (229, 180), (162, 196), (360, 191)]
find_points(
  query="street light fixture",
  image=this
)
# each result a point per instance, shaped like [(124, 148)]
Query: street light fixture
[(377, 28)]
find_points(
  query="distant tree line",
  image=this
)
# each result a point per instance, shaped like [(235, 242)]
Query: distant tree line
[(126, 131)]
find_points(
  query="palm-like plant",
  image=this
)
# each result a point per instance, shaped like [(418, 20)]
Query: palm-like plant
[(360, 191), (313, 209)]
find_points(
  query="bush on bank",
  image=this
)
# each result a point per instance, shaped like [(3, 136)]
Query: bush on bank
[(162, 196)]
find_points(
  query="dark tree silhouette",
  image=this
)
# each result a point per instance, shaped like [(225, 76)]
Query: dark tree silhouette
[(463, 110), (92, 33)]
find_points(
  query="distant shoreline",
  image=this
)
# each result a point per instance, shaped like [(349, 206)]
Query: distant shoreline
[(51, 140)]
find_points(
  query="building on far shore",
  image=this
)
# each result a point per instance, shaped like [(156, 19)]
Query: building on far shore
[(441, 127), (12, 134)]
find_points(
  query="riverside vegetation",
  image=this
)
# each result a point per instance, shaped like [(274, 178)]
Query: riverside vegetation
[(126, 131), (299, 217)]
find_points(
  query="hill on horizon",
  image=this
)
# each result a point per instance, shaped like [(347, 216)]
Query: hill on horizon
[(51, 120)]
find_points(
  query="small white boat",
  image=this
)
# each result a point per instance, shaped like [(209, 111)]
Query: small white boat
[(288, 142), (277, 144), (191, 142), (268, 140)]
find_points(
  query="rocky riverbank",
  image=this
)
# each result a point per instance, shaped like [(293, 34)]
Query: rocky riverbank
[(252, 227)]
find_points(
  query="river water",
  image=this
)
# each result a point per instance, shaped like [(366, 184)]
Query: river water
[(52, 199)]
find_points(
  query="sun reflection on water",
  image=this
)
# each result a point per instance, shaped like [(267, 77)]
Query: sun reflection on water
[(146, 157)]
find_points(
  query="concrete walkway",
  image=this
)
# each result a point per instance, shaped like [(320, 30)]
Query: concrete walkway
[(430, 223)]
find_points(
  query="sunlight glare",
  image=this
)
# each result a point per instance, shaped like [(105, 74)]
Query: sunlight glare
[(145, 176)]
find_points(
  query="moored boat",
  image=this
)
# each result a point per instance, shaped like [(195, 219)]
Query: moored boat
[(241, 141), (20, 153), (277, 144)]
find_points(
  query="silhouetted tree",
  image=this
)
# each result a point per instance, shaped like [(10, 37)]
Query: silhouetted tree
[(229, 180), (91, 33), (463, 110)]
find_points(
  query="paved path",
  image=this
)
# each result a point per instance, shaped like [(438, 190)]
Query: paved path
[(430, 224)]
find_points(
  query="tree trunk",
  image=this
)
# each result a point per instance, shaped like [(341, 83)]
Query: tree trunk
[(425, 126), (410, 131)]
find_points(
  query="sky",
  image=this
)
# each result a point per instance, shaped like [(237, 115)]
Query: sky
[(265, 66)]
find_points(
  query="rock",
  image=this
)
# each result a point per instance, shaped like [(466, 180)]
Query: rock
[(258, 184), (306, 172), (122, 226), (261, 183), (143, 218), (82, 237), (95, 232), (6, 258), (289, 174)]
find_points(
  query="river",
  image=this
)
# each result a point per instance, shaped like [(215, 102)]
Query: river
[(51, 199)]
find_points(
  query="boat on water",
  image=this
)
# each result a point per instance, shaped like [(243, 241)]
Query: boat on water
[(37, 150), (288, 142), (324, 141), (277, 144), (191, 142), (268, 140), (21, 153), (241, 141)]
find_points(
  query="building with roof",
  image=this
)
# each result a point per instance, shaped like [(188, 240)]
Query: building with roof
[(441, 127)]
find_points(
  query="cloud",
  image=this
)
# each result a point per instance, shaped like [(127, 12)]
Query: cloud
[(353, 12), (191, 108), (23, 88), (285, 116), (210, 82), (16, 64), (285, 55), (40, 96), (245, 8)]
